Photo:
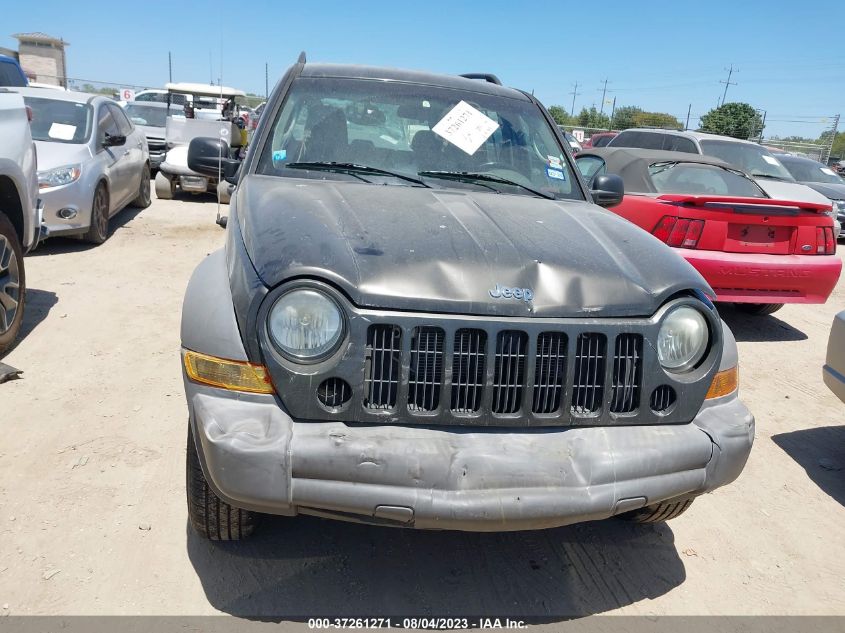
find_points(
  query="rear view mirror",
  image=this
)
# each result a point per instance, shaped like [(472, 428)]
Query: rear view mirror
[(607, 190), (210, 157), (113, 140)]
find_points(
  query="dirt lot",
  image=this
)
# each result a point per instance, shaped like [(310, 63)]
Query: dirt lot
[(92, 507)]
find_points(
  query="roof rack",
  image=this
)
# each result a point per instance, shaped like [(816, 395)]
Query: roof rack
[(485, 76)]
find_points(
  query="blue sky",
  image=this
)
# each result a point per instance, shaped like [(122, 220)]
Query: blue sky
[(659, 55)]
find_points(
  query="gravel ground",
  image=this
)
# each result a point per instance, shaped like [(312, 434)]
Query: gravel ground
[(92, 507)]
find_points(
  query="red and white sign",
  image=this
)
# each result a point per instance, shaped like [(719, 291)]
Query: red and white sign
[(127, 94)]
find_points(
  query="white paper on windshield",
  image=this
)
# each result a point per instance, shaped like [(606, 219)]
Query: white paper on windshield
[(771, 160), (465, 127), (62, 131), (828, 171)]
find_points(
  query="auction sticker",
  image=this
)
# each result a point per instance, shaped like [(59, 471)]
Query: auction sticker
[(557, 174), (771, 160), (465, 127), (62, 131)]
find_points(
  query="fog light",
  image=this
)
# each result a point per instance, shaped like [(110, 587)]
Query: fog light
[(227, 374), (724, 382), (66, 213)]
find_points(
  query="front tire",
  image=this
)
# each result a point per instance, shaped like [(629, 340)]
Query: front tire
[(98, 232), (657, 513), (210, 516), (759, 309), (12, 285), (142, 200)]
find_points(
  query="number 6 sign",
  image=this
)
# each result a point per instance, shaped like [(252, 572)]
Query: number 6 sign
[(127, 94)]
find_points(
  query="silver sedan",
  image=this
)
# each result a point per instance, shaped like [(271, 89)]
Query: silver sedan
[(92, 161)]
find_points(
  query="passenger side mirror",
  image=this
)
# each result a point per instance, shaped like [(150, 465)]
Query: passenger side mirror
[(113, 140), (210, 157), (607, 190)]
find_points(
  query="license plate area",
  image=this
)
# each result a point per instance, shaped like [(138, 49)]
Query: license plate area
[(758, 238)]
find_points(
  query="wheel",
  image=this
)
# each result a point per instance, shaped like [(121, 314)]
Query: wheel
[(142, 201), (98, 232), (165, 187), (758, 309), (658, 512), (210, 516), (12, 285)]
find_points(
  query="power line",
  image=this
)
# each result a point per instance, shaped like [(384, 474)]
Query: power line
[(728, 82)]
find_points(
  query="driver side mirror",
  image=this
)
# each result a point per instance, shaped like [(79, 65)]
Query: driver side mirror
[(607, 190), (113, 140), (210, 157)]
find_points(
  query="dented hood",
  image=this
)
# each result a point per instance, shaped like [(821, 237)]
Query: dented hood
[(441, 250)]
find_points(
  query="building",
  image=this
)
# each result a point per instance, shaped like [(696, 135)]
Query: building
[(42, 58)]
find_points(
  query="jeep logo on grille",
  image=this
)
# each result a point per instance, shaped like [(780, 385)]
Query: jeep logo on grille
[(503, 292)]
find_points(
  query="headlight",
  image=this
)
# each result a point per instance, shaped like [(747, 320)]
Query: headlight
[(59, 176), (682, 340), (305, 324)]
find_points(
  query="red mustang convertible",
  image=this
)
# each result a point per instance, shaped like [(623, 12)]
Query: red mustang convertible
[(755, 251)]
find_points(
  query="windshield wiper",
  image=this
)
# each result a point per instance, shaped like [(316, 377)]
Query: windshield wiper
[(661, 167), (353, 168), (773, 177), (468, 176)]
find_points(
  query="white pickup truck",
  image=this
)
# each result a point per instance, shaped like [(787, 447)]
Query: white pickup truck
[(20, 212)]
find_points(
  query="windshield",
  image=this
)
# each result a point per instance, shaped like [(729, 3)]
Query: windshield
[(695, 178), (812, 171), (416, 131), (60, 121), (750, 158), (148, 115)]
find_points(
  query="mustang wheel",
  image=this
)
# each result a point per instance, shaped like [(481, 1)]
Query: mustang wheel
[(759, 309), (658, 512), (142, 201), (210, 516), (12, 284), (98, 232)]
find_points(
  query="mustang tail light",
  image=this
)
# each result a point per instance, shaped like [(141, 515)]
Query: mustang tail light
[(825, 244), (678, 232)]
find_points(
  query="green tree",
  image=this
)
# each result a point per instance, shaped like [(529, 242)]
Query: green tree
[(657, 119), (561, 116), (593, 118), (738, 120), (625, 117)]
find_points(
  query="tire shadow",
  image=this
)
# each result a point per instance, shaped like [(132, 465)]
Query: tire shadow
[(820, 452), (37, 307), (59, 245), (304, 567), (749, 328)]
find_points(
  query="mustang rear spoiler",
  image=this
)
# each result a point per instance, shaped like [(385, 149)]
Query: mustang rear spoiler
[(745, 205)]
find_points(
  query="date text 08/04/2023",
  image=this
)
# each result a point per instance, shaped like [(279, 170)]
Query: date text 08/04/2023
[(429, 623)]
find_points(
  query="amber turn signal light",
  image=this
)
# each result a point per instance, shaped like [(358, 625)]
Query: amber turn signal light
[(227, 374), (724, 382)]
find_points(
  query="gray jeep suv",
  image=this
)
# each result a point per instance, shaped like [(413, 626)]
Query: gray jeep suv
[(421, 318)]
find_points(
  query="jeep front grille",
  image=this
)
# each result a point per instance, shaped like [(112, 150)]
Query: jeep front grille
[(383, 350), (426, 371), (588, 387), (549, 372), (627, 373), (468, 356), (508, 376)]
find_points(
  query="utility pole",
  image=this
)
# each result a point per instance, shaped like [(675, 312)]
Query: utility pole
[(728, 82), (612, 112), (170, 66), (266, 82), (574, 94), (832, 139), (689, 109), (603, 93)]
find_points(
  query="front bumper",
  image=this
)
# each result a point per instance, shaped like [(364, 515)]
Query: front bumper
[(762, 278), (256, 457), (76, 197)]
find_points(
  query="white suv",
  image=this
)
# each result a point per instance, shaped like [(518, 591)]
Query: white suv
[(20, 212)]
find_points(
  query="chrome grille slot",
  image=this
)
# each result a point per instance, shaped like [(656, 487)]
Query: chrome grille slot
[(627, 373), (662, 398), (509, 371), (426, 371), (588, 375), (468, 361), (549, 371), (381, 382)]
